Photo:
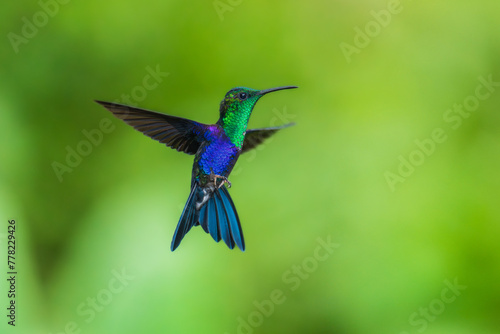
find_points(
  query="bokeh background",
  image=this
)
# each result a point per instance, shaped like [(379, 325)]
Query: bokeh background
[(400, 234)]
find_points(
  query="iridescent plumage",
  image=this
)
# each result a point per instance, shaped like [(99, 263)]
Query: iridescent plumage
[(216, 148)]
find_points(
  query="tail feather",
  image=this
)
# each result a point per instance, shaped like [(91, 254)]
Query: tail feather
[(203, 212), (222, 221), (186, 221), (211, 215), (217, 216), (234, 220)]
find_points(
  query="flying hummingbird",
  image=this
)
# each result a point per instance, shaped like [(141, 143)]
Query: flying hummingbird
[(216, 148)]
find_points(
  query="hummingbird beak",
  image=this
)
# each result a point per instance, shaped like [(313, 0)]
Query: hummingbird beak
[(265, 91)]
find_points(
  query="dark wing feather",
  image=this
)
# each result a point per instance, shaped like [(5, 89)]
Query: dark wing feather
[(179, 133), (255, 137)]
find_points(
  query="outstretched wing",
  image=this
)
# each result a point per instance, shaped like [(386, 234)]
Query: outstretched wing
[(179, 133), (255, 137)]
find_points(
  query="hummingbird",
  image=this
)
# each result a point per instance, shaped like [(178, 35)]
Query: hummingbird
[(216, 148)]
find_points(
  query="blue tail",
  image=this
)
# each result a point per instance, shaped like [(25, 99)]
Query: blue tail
[(217, 216)]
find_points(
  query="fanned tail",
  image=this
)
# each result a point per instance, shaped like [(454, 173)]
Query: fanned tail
[(217, 216)]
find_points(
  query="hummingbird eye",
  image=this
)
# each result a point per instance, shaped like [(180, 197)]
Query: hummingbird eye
[(242, 96)]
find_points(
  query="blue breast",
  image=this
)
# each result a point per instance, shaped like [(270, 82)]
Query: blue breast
[(219, 154)]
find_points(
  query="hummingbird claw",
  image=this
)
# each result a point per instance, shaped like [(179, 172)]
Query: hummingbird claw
[(226, 181), (215, 177)]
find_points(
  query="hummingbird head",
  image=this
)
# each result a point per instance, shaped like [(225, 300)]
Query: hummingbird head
[(236, 108)]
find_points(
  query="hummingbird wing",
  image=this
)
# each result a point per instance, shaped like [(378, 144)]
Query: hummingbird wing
[(178, 133), (255, 137)]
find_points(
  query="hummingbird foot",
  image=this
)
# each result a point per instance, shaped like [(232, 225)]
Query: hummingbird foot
[(215, 177)]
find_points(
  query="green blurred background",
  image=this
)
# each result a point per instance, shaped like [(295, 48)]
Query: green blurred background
[(398, 245)]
